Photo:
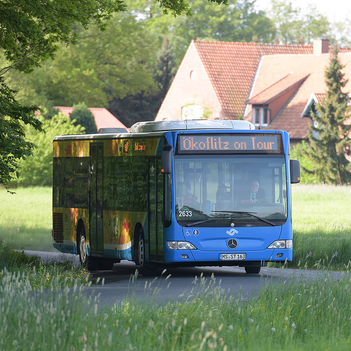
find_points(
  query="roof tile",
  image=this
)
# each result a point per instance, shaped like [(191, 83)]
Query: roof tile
[(231, 67)]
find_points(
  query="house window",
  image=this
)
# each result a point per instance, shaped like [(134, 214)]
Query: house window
[(256, 116), (192, 112), (260, 116), (264, 116)]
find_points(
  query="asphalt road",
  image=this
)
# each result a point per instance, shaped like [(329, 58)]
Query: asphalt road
[(182, 283)]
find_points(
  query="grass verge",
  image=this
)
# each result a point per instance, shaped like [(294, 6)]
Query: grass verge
[(295, 316)]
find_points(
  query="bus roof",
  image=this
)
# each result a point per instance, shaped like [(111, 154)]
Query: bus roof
[(164, 126), (158, 128)]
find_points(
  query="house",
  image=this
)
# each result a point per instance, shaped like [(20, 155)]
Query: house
[(103, 118), (270, 85)]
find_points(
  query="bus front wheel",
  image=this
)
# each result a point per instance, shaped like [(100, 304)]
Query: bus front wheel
[(145, 268), (253, 269)]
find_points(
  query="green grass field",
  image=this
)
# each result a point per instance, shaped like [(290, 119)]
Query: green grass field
[(322, 226), (26, 218), (321, 222)]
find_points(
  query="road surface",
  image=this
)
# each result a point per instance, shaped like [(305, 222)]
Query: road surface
[(180, 284)]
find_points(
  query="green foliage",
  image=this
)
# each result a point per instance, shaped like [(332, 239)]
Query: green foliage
[(101, 66), (31, 31), (15, 259), (143, 106), (235, 21), (81, 115), (329, 140), (13, 144), (293, 27), (298, 152), (37, 169), (341, 33)]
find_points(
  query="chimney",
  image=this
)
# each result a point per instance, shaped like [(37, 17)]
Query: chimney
[(320, 46)]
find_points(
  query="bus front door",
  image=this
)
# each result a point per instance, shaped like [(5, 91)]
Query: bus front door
[(156, 244), (95, 199)]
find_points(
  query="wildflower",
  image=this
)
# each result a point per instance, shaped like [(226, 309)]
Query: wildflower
[(293, 325), (286, 318), (230, 327), (305, 330), (273, 329), (251, 320)]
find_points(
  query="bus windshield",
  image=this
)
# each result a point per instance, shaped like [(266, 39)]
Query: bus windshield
[(230, 190)]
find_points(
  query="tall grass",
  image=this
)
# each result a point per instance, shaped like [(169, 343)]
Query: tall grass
[(295, 316), (38, 274)]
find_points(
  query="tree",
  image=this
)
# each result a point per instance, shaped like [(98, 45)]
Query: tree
[(294, 27), (37, 170), (236, 21), (328, 137), (144, 106), (32, 32), (81, 115), (103, 66), (13, 145)]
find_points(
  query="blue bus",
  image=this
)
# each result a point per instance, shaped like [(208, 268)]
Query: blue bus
[(175, 193)]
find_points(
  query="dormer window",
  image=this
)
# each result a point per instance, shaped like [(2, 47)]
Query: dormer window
[(260, 116)]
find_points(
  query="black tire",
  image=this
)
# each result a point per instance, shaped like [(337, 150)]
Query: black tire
[(86, 261), (105, 264), (253, 269), (144, 267)]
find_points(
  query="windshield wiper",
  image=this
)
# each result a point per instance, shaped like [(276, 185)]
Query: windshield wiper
[(250, 214)]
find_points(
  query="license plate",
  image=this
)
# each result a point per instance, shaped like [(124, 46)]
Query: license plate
[(233, 257)]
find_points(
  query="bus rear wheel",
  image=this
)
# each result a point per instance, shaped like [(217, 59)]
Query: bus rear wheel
[(86, 261), (253, 269)]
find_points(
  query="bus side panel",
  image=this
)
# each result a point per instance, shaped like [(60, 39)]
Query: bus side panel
[(119, 233), (65, 223)]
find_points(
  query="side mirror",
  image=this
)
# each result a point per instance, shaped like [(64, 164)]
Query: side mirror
[(166, 159), (294, 171)]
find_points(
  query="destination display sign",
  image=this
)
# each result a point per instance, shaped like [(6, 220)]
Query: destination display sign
[(230, 143)]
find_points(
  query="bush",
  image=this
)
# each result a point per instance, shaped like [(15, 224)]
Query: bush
[(83, 116), (36, 170)]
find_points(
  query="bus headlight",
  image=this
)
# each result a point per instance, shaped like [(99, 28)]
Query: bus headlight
[(180, 245), (281, 244)]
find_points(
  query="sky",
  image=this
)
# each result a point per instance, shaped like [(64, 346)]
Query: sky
[(335, 10)]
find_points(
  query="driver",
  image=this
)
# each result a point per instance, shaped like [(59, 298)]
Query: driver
[(256, 193)]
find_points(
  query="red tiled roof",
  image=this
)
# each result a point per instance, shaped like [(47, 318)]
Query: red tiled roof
[(320, 97), (273, 68), (103, 118), (278, 88), (231, 67)]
